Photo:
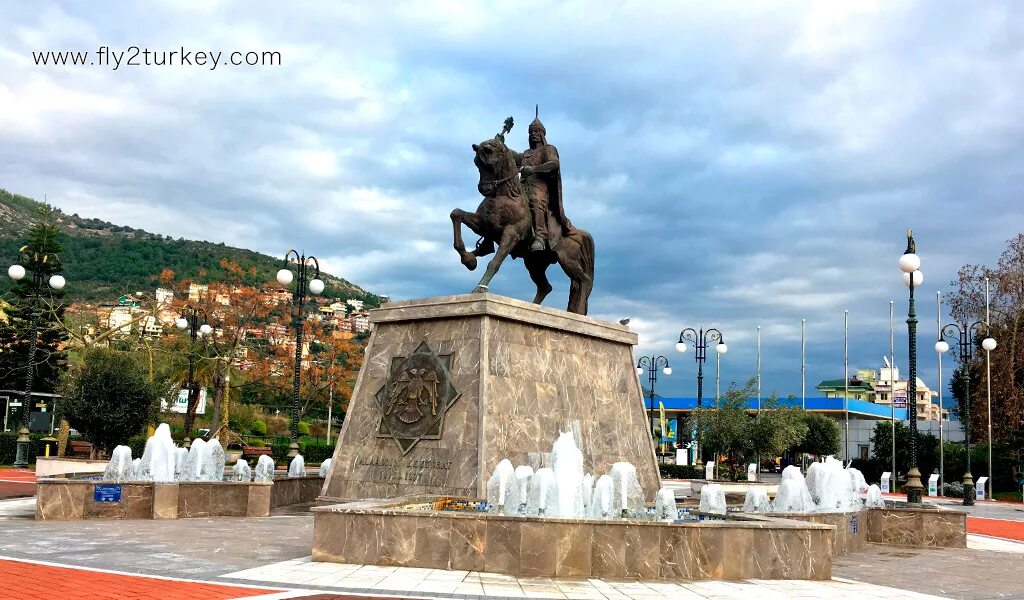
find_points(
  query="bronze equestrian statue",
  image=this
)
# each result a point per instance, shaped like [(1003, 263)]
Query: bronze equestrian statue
[(522, 215)]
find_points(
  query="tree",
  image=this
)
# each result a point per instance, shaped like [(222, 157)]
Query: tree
[(109, 398), (967, 304), (927, 448), (822, 438), (723, 428), (48, 309), (776, 428)]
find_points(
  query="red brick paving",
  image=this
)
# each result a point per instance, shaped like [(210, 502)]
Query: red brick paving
[(27, 581), (1012, 530), (17, 483)]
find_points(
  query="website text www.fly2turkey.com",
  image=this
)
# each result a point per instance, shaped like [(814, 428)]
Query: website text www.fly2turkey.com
[(140, 56)]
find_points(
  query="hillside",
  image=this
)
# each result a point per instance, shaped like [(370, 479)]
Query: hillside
[(103, 260)]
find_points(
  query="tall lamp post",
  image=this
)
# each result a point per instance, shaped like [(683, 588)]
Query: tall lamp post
[(700, 338), (964, 335), (308, 282), (910, 264), (651, 364), (38, 263), (193, 319)]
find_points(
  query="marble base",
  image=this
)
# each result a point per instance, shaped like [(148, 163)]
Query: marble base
[(851, 529), (524, 372), (66, 499), (917, 527), (382, 533)]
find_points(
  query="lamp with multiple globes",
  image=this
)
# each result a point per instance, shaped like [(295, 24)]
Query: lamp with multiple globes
[(909, 264), (308, 282)]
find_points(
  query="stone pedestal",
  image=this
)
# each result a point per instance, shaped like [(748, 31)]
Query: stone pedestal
[(452, 385)]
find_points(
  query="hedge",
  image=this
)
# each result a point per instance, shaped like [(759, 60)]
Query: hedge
[(316, 453), (9, 447), (669, 471)]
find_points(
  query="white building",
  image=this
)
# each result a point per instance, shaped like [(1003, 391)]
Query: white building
[(164, 297)]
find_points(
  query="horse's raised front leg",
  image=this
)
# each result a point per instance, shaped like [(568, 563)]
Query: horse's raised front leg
[(509, 238), (460, 217)]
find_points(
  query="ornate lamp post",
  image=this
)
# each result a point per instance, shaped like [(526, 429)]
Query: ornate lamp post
[(38, 264), (308, 282), (651, 363), (700, 339), (964, 335), (909, 263), (192, 318)]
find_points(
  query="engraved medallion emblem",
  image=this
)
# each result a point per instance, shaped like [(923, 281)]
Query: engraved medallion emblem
[(415, 397)]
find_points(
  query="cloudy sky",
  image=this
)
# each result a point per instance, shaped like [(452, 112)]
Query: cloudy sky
[(738, 163)]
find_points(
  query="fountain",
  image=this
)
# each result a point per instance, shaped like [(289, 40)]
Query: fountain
[(264, 469), (665, 505), (601, 504), (793, 495), (524, 473), (120, 466), (212, 468), (874, 499), (501, 487), (325, 467), (198, 453), (543, 494), (835, 487), (568, 469), (241, 471), (756, 500), (627, 496), (712, 499), (297, 468), (587, 493), (167, 482)]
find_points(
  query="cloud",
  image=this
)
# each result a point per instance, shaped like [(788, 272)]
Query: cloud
[(738, 164)]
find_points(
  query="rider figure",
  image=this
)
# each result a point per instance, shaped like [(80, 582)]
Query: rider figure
[(542, 180)]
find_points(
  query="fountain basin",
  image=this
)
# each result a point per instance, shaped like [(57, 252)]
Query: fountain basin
[(734, 490), (921, 526), (851, 528), (69, 499), (416, 531)]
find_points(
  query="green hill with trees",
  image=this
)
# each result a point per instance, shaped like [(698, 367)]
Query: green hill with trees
[(103, 260)]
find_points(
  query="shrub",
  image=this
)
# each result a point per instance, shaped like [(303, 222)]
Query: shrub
[(109, 398), (315, 453), (138, 445), (9, 447), (258, 428), (954, 489), (1007, 496), (669, 471), (303, 428)]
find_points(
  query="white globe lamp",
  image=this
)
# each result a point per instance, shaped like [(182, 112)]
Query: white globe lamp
[(721, 348), (205, 329), (989, 344), (667, 370), (284, 276), (910, 262), (16, 272), (181, 322), (918, 278), (681, 347), (57, 282), (942, 346), (316, 286)]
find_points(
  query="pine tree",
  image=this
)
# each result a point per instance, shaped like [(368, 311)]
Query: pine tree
[(38, 255)]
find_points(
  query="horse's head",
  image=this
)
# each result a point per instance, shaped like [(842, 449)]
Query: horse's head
[(496, 165)]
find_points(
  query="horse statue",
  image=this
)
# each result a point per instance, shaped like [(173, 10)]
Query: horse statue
[(506, 225)]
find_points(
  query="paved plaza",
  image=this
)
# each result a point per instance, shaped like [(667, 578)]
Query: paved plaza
[(269, 558)]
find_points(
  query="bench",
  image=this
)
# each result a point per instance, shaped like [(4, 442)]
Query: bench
[(79, 447), (256, 451)]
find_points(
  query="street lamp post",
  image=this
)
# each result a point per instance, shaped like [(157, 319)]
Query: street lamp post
[(192, 318), (651, 363), (964, 335), (910, 264), (38, 263), (308, 282), (699, 339)]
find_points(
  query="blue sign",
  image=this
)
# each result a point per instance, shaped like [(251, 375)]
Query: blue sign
[(853, 524), (107, 493)]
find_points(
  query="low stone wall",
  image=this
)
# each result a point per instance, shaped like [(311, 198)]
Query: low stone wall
[(851, 529), (917, 527), (295, 490), (66, 499), (50, 466), (380, 533)]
